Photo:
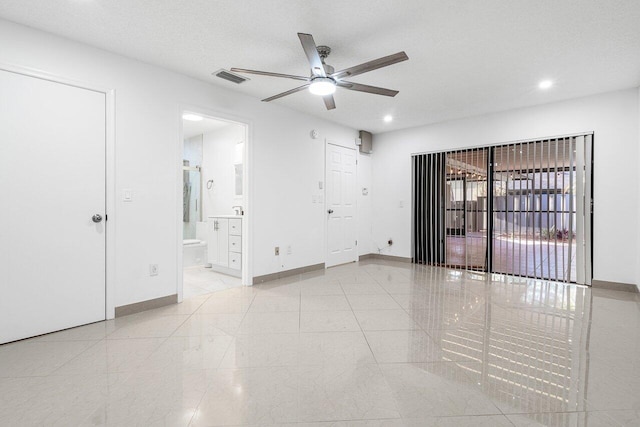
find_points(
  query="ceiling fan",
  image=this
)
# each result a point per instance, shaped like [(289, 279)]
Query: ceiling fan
[(324, 78)]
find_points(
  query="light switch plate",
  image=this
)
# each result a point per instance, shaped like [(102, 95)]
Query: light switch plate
[(127, 195)]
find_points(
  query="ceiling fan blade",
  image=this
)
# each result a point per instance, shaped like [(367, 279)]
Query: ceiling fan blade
[(329, 102), (371, 65), (267, 73), (311, 50), (366, 88), (289, 92)]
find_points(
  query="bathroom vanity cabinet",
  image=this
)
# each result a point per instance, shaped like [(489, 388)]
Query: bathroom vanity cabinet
[(224, 244)]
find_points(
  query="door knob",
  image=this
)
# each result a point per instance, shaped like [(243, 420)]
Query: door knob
[(330, 211), (96, 218)]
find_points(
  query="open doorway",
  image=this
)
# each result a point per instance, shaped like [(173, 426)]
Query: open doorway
[(214, 242)]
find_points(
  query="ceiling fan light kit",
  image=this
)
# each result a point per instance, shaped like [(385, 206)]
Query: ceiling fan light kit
[(322, 86), (324, 79)]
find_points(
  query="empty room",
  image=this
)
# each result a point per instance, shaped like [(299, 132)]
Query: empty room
[(296, 213)]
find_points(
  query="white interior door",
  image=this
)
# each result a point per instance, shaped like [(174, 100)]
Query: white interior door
[(341, 205), (52, 182)]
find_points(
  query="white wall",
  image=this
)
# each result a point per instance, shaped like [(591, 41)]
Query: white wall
[(613, 117), (365, 202), (218, 164), (286, 162), (638, 197)]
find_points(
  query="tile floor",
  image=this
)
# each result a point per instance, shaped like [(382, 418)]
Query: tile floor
[(368, 344), (199, 280)]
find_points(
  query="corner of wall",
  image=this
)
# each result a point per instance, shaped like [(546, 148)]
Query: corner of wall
[(638, 196), (365, 205)]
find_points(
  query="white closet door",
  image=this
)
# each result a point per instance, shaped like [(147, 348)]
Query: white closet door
[(52, 182), (341, 205)]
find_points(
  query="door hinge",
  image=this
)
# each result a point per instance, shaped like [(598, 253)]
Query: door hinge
[(106, 218)]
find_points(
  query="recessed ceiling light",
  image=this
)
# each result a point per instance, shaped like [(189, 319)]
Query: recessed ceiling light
[(387, 118), (191, 117), (545, 84)]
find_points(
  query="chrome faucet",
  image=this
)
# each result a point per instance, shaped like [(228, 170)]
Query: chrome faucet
[(238, 210)]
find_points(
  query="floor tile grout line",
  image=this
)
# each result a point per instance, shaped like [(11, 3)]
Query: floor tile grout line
[(231, 342), (410, 316), (362, 332), (429, 335), (244, 316), (164, 340), (52, 373)]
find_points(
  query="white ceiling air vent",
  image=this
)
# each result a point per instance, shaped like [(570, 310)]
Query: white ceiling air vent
[(229, 76)]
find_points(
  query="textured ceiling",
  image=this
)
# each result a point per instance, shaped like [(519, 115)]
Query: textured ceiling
[(466, 57)]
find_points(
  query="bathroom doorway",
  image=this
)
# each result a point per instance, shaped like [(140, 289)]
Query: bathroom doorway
[(214, 194)]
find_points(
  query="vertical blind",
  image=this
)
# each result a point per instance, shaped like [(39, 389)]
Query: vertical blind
[(522, 209), (429, 218)]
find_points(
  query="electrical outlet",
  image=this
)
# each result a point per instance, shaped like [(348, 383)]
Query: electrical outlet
[(277, 250), (153, 269), (289, 250)]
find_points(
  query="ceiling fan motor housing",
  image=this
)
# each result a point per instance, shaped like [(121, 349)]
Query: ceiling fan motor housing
[(324, 52)]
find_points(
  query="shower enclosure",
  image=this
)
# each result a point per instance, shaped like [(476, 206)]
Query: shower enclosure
[(191, 199)]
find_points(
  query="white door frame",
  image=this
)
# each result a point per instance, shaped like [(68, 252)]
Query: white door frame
[(110, 170), (328, 142), (247, 187)]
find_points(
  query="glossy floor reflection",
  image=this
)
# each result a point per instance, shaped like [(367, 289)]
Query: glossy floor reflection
[(199, 280), (368, 344)]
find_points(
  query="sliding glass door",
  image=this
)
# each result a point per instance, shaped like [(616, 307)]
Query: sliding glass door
[(466, 209), (522, 209)]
